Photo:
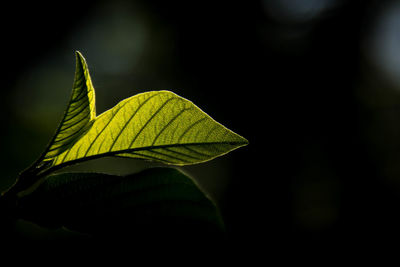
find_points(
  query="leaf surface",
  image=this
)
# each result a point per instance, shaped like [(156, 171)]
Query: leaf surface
[(156, 125), (80, 112)]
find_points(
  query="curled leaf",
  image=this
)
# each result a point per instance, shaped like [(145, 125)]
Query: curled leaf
[(79, 114)]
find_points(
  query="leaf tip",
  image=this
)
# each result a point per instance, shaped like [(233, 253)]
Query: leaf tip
[(240, 140), (245, 141), (79, 57)]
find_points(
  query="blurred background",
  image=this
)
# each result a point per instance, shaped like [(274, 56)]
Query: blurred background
[(314, 85)]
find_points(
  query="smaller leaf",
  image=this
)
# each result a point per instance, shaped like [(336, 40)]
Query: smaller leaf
[(79, 114), (78, 118), (155, 202)]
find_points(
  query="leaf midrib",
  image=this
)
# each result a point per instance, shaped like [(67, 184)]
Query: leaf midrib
[(114, 153)]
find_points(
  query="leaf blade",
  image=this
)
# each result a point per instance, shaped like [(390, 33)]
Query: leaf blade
[(155, 125), (79, 114)]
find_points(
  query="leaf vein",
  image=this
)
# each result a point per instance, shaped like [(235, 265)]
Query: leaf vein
[(102, 130), (84, 116), (151, 118), (73, 110), (182, 154), (190, 127), (168, 155), (130, 119), (169, 123)]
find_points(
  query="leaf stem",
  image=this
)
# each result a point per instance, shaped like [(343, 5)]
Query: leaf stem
[(26, 179)]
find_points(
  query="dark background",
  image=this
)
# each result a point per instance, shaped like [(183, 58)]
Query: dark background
[(313, 86)]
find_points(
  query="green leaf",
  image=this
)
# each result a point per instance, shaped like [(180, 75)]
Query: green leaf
[(157, 125), (154, 200), (80, 112)]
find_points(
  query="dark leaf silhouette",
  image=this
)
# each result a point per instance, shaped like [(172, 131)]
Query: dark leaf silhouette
[(154, 202)]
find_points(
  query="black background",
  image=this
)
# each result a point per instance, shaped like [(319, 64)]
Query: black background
[(309, 178)]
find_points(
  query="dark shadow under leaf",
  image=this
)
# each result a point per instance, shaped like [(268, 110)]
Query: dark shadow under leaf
[(155, 204)]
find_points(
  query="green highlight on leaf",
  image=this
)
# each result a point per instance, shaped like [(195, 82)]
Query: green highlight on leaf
[(79, 114), (158, 125)]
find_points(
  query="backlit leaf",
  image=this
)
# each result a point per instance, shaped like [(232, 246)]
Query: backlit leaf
[(79, 114), (157, 125)]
